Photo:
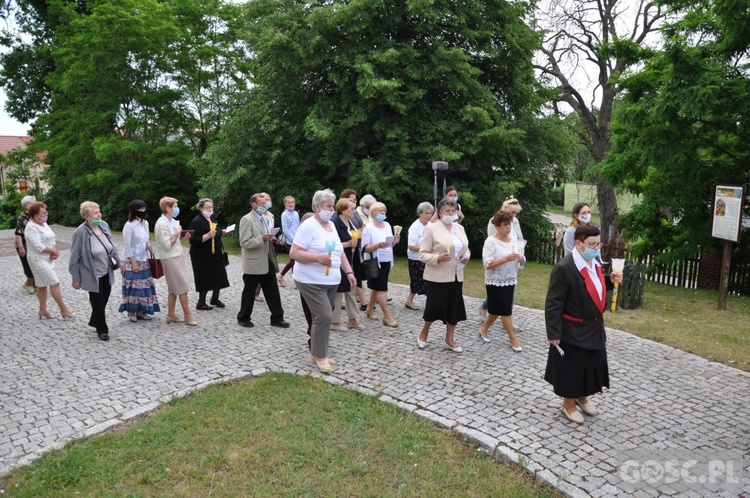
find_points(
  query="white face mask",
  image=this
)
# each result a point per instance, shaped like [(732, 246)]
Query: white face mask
[(325, 215), (454, 198), (584, 218), (366, 211), (449, 218), (208, 213)]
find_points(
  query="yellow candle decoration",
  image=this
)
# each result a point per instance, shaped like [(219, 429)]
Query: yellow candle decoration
[(212, 227), (618, 265)]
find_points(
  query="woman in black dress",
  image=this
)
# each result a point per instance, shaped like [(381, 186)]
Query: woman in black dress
[(206, 256), (577, 358)]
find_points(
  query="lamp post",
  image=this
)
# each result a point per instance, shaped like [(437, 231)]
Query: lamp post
[(441, 172)]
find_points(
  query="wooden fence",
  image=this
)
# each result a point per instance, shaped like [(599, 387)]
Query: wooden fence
[(681, 273)]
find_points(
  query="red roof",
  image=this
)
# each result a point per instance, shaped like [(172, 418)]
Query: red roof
[(10, 142)]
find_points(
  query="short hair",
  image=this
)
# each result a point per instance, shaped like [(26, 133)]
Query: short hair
[(27, 200), (444, 203), (346, 193), (367, 200), (133, 206), (289, 197), (378, 205), (343, 204), (87, 206), (321, 196), (577, 209), (203, 202), (583, 232), (254, 198), (450, 188), (502, 216), (266, 195), (166, 203), (35, 207), (424, 206)]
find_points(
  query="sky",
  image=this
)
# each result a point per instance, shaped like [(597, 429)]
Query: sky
[(8, 125)]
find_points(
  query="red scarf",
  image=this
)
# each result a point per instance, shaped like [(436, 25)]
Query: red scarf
[(599, 300)]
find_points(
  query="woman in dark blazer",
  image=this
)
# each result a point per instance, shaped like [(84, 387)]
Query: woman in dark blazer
[(209, 270), (343, 220), (577, 358)]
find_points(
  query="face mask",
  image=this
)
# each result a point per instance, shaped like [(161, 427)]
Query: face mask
[(589, 254), (43, 219), (269, 205), (366, 211), (176, 212), (208, 214), (96, 222), (380, 217), (454, 198), (584, 218), (449, 218), (325, 215), (261, 209), (142, 214)]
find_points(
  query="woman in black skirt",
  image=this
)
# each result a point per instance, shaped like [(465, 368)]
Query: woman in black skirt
[(577, 358), (444, 251), (416, 267)]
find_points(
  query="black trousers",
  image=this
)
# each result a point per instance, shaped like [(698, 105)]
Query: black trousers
[(270, 291), (98, 302)]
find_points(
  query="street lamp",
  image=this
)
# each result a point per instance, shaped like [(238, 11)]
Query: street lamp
[(441, 172)]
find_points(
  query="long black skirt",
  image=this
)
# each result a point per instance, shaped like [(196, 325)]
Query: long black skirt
[(445, 302), (416, 277), (581, 372)]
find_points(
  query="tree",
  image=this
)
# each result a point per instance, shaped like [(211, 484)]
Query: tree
[(683, 125), (366, 94), (129, 93), (598, 38)]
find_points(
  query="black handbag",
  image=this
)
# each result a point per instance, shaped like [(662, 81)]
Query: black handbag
[(371, 269)]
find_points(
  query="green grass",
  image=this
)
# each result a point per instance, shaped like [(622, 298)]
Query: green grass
[(276, 435)]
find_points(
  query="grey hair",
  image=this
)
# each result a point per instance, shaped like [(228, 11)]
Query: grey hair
[(424, 206), (203, 202), (27, 200), (322, 196), (367, 201)]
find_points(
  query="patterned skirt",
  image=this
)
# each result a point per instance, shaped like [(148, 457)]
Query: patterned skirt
[(416, 277), (138, 291)]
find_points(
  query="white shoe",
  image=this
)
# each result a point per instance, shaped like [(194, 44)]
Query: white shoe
[(573, 417), (457, 349), (588, 407), (421, 344)]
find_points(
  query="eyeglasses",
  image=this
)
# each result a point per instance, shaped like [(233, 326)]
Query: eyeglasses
[(515, 203), (594, 245)]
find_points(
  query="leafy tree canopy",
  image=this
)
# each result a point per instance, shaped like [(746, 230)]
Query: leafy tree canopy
[(366, 94), (683, 126)]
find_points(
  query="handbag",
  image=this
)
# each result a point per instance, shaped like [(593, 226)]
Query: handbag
[(157, 270), (371, 268)]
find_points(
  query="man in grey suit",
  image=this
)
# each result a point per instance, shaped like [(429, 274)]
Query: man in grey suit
[(259, 265)]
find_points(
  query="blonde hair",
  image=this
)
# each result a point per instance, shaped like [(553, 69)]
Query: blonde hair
[(377, 205), (289, 197), (166, 203), (86, 207)]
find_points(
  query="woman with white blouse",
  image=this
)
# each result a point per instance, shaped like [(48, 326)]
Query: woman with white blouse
[(167, 233), (378, 241), (501, 256), (416, 267), (138, 291)]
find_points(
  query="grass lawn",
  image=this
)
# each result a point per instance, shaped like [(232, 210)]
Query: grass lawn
[(276, 435)]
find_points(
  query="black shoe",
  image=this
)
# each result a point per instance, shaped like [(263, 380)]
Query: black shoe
[(203, 306), (280, 323), (247, 323), (217, 303), (104, 336), (362, 307)]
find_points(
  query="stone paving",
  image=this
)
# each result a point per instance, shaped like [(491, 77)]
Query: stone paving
[(672, 424)]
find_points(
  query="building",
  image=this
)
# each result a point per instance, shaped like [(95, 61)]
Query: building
[(9, 143)]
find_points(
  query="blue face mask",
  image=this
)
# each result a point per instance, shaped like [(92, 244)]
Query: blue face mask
[(261, 209), (380, 218), (589, 254), (269, 204), (176, 212)]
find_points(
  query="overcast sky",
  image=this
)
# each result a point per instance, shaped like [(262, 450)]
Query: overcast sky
[(8, 125)]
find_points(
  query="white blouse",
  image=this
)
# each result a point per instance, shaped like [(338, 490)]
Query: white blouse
[(505, 274)]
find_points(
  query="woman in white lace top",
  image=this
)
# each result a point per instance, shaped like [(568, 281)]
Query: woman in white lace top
[(501, 256)]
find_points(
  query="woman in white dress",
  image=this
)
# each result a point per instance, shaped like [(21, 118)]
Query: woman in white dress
[(41, 255), (378, 241)]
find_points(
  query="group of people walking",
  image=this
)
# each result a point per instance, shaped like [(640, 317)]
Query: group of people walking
[(333, 251)]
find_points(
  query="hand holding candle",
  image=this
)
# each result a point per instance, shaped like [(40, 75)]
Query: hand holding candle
[(330, 246), (618, 265)]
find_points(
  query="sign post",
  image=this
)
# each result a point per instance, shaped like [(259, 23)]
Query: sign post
[(726, 221)]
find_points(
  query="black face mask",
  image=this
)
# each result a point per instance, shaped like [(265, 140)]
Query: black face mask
[(142, 214)]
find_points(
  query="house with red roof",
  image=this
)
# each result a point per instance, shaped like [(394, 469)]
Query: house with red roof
[(36, 168)]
